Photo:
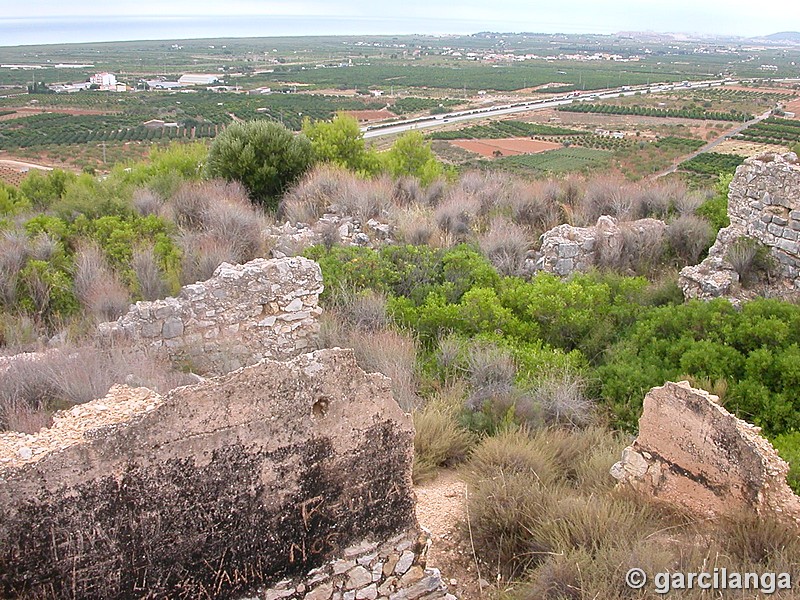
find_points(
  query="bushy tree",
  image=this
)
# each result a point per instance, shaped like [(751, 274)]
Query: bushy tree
[(341, 143), (410, 155), (263, 156), (43, 189)]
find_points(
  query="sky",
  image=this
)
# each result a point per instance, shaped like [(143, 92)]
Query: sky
[(42, 21)]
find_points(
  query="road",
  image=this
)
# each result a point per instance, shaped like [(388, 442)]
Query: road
[(379, 130), (713, 144)]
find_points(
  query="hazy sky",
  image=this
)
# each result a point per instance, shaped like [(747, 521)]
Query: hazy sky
[(737, 17)]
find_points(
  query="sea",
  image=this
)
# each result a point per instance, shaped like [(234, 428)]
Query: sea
[(64, 30)]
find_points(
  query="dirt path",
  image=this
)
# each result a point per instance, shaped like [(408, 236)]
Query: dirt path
[(18, 164), (441, 509)]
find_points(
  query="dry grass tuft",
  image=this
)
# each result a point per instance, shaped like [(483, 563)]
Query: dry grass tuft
[(506, 246), (32, 389), (314, 194), (97, 286), (14, 252), (688, 237), (439, 440), (149, 276)]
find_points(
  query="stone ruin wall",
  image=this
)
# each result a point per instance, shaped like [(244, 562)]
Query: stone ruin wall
[(262, 309), (693, 453), (763, 204), (279, 480), (566, 249)]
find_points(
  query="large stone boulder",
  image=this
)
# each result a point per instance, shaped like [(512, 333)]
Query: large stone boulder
[(693, 453), (213, 490)]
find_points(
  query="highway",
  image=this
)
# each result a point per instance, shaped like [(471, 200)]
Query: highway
[(383, 129)]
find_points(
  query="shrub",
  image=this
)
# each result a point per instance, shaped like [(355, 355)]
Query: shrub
[(265, 157), (149, 276), (506, 245), (439, 439), (749, 258), (689, 237), (411, 156), (340, 142), (562, 399)]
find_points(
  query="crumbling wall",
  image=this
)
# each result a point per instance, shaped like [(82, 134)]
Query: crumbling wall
[(693, 453), (566, 249), (274, 472), (764, 205), (262, 309)]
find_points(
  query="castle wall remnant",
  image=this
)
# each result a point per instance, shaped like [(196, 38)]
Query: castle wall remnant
[(693, 453), (566, 249), (261, 309), (763, 205), (279, 480)]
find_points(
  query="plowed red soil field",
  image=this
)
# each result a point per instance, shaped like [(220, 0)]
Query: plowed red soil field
[(506, 146)]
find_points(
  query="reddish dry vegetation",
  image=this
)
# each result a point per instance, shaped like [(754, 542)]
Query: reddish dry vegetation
[(370, 115), (506, 146), (794, 106), (11, 176), (28, 111)]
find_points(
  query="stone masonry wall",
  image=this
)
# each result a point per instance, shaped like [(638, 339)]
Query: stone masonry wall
[(280, 480), (392, 570), (262, 309), (566, 249), (693, 453), (763, 204)]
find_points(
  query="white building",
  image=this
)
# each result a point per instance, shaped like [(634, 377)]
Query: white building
[(106, 81), (197, 79)]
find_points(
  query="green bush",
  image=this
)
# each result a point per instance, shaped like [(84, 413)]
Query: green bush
[(265, 157)]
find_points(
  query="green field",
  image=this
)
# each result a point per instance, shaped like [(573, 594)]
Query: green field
[(557, 161), (503, 129), (774, 130), (647, 111), (712, 163)]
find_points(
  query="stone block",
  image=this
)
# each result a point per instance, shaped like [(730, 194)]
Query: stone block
[(693, 453), (285, 461)]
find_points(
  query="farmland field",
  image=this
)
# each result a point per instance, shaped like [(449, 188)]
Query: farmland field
[(502, 129), (505, 147), (563, 160), (774, 130)]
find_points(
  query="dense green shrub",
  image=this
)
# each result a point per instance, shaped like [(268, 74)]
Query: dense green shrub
[(754, 349), (265, 157)]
